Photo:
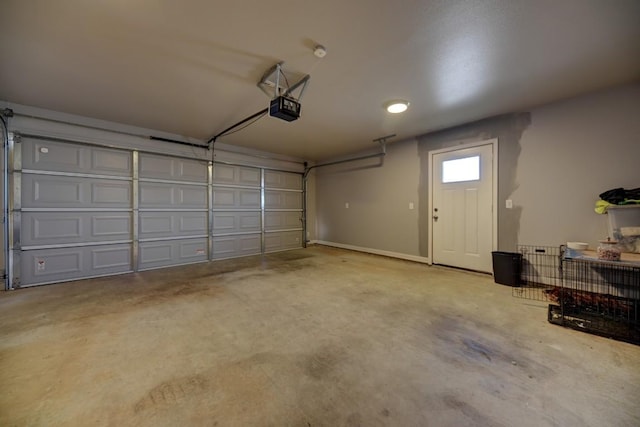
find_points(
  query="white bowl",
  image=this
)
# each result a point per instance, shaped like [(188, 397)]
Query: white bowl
[(579, 246)]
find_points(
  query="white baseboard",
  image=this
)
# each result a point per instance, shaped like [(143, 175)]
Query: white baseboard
[(399, 255)]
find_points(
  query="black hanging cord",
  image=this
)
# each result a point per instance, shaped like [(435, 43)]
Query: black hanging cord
[(256, 116)]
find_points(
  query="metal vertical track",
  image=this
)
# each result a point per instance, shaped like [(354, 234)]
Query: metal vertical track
[(210, 209), (7, 221), (135, 212), (262, 208), (304, 210), (15, 207), (5, 205)]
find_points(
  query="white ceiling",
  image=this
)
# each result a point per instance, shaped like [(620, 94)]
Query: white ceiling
[(191, 67)]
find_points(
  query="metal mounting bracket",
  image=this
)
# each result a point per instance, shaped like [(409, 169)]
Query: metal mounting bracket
[(272, 79), (383, 142)]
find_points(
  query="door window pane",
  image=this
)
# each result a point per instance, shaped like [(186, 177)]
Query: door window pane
[(458, 170)]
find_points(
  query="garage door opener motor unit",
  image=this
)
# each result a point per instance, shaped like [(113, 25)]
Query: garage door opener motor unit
[(284, 108), (283, 105)]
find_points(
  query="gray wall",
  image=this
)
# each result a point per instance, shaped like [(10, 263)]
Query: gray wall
[(378, 192), (573, 151), (553, 163)]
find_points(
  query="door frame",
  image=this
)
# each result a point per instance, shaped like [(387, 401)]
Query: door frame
[(494, 190)]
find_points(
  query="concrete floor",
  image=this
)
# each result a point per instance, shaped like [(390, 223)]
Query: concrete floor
[(314, 337)]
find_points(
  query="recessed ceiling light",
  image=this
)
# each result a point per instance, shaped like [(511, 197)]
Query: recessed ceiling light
[(397, 106)]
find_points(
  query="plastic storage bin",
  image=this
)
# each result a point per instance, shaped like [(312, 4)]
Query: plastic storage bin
[(624, 226), (507, 267)]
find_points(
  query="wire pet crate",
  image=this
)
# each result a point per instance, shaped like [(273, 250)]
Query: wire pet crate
[(599, 297), (540, 272), (587, 294)]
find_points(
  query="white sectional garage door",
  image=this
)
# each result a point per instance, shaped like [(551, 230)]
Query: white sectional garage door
[(83, 210)]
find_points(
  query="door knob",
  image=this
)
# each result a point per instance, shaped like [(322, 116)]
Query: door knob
[(435, 217)]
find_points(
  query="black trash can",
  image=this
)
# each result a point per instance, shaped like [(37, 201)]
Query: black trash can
[(507, 267)]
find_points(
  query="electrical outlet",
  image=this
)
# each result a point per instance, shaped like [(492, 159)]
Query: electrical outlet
[(509, 204), (346, 205), (411, 205)]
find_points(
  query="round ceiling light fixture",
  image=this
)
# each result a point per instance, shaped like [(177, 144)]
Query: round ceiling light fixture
[(397, 106)]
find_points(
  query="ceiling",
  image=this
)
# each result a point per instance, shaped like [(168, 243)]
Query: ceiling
[(191, 67)]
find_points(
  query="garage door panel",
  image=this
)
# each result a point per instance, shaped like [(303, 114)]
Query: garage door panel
[(109, 258), (111, 226), (224, 222), (156, 253), (154, 194), (172, 252), (171, 224), (57, 262), (282, 220), (173, 169), (249, 199), (192, 171), (153, 225), (235, 198), (224, 174), (43, 191), (279, 241), (193, 223), (236, 222), (43, 228), (111, 193), (284, 180), (164, 195), (192, 196), (236, 175), (193, 250), (235, 246), (249, 176), (60, 264), (46, 191), (74, 158), (56, 228), (52, 156), (274, 199), (110, 162)]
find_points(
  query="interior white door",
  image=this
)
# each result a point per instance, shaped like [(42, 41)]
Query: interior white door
[(462, 217)]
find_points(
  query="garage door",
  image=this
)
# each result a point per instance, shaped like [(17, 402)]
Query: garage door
[(83, 211), (282, 210), (173, 211), (74, 211), (237, 211)]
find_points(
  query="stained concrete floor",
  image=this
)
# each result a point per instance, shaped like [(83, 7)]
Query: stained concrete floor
[(314, 337)]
